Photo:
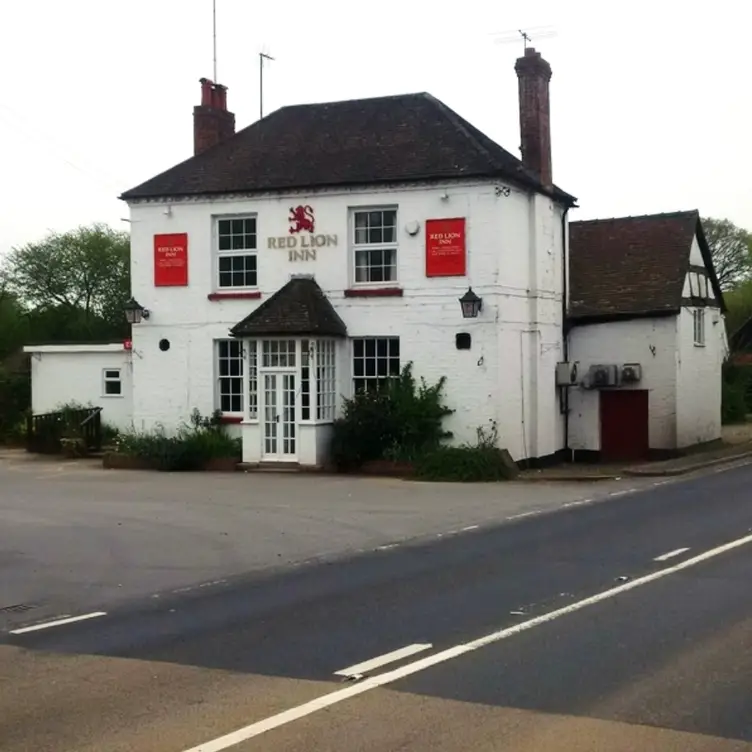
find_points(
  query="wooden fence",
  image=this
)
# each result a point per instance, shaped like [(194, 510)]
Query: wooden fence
[(44, 432)]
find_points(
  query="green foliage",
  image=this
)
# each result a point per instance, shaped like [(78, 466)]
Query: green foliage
[(470, 463), (400, 421), (72, 285), (731, 249), (736, 393), (109, 434), (739, 306), (189, 449), (15, 396)]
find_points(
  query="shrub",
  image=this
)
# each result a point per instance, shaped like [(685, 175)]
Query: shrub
[(400, 422), (735, 393), (479, 462), (189, 449), (15, 398)]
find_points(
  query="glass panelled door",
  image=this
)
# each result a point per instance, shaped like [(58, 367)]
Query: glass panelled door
[(280, 440)]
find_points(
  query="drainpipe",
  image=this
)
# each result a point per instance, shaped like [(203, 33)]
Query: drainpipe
[(564, 327)]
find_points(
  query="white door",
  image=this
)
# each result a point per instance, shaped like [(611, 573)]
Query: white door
[(280, 440)]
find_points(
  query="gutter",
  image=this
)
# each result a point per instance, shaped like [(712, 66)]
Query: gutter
[(564, 324)]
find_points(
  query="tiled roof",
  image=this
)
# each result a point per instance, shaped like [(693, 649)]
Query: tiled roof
[(406, 138), (297, 308), (632, 265)]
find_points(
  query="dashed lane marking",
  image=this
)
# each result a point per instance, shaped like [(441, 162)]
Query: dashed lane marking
[(382, 660), (671, 554), (58, 623)]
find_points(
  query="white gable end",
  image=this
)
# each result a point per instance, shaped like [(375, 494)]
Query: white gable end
[(697, 284)]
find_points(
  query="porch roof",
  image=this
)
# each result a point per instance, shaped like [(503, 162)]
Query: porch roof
[(299, 308)]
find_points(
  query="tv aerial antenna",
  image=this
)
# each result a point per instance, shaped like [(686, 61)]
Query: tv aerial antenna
[(262, 56), (526, 36), (214, 37)]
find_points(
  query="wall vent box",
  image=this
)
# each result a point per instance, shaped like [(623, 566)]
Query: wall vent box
[(463, 341)]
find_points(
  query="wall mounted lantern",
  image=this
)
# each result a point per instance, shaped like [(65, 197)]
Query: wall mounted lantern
[(471, 304), (134, 312)]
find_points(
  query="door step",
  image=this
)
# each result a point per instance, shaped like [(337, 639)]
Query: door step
[(270, 467)]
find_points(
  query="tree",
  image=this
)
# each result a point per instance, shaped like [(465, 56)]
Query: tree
[(738, 306), (81, 276), (731, 249)]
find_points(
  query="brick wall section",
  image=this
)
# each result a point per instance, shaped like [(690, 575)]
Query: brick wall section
[(534, 74), (514, 264), (212, 122), (650, 342)]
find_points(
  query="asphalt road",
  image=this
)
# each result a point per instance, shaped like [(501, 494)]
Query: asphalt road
[(77, 538), (623, 625)]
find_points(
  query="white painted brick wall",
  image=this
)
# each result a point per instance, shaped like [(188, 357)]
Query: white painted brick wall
[(514, 264), (62, 374), (650, 342)]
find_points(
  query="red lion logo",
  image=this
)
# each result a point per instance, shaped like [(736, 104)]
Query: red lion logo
[(301, 218)]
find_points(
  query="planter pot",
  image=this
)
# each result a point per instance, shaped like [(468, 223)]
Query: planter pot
[(222, 465), (388, 468), (116, 461)]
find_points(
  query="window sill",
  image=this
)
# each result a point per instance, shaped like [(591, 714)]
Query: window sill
[(699, 344), (374, 292), (249, 422), (247, 295), (230, 419), (112, 396)]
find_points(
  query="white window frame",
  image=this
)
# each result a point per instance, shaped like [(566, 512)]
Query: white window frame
[(218, 377), (232, 253), (326, 381), (251, 381), (376, 378), (355, 247), (698, 326), (107, 379)]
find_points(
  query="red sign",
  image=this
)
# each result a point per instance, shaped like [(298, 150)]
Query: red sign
[(128, 344), (171, 260), (445, 247), (301, 218)]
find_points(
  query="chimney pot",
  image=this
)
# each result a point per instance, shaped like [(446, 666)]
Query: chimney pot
[(534, 74), (212, 122)]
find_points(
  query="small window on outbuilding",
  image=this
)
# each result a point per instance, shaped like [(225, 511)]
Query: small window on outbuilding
[(113, 383), (463, 340)]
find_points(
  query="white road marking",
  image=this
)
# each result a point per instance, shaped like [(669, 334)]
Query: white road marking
[(387, 547), (469, 528), (383, 660), (671, 554), (308, 708), (578, 503), (58, 622), (523, 514), (622, 493)]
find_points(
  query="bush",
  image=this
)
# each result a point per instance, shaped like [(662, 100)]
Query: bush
[(189, 449), (15, 399), (735, 393), (479, 462), (401, 421)]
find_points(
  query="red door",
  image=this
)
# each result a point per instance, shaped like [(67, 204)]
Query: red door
[(624, 425)]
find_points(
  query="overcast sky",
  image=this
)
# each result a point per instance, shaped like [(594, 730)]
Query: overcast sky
[(651, 107)]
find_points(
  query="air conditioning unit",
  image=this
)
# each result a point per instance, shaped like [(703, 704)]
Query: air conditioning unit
[(566, 374), (631, 373), (602, 376)]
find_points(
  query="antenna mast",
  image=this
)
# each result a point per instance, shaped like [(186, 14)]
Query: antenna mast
[(262, 56), (527, 35), (214, 36)]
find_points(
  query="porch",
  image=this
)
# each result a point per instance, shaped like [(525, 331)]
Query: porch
[(293, 348)]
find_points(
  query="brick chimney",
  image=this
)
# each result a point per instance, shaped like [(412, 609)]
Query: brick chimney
[(534, 73), (212, 122)]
